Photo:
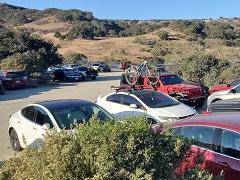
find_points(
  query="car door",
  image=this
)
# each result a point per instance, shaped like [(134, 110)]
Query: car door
[(228, 156), (127, 110), (202, 148), (29, 115), (113, 103)]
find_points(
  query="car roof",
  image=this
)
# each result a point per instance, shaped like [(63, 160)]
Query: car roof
[(64, 103), (168, 74), (229, 121)]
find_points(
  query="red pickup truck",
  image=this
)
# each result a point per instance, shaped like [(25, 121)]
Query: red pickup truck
[(187, 92)]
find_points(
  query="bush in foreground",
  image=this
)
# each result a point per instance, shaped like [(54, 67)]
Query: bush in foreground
[(110, 150)]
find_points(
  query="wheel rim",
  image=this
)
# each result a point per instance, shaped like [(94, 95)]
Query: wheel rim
[(13, 139), (131, 76), (153, 75)]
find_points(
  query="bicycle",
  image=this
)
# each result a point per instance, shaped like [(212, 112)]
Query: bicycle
[(133, 73)]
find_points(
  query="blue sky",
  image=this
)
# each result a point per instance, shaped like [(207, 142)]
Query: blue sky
[(142, 9)]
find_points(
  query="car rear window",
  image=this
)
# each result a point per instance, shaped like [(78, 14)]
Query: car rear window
[(15, 74)]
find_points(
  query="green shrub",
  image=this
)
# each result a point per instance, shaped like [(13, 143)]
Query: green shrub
[(110, 150), (163, 35)]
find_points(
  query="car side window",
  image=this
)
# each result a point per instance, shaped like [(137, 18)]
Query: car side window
[(128, 100), (116, 98), (231, 144), (29, 113), (202, 135), (176, 131), (42, 117)]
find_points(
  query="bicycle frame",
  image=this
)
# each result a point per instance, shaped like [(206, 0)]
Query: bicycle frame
[(142, 68)]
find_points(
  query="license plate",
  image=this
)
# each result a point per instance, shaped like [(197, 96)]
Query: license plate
[(76, 78), (17, 81)]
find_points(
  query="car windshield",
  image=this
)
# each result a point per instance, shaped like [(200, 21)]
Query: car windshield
[(67, 117), (82, 68), (234, 83), (155, 99), (171, 79)]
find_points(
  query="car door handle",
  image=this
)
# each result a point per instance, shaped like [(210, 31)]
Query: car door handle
[(18, 121), (34, 128), (224, 164)]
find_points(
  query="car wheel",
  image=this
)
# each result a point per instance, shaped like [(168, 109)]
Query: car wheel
[(14, 141)]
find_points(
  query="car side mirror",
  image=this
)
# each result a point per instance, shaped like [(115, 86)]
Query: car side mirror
[(134, 106), (46, 126), (232, 91)]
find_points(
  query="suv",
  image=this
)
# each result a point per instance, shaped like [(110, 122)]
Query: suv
[(2, 89), (175, 86), (14, 79), (66, 75)]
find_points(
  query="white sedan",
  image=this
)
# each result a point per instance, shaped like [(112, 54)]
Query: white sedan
[(225, 94), (156, 106), (29, 125)]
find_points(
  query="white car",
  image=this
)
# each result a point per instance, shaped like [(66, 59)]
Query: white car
[(29, 125), (156, 106), (225, 94), (96, 66)]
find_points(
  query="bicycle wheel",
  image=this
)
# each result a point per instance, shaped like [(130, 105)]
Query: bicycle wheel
[(152, 75), (131, 75)]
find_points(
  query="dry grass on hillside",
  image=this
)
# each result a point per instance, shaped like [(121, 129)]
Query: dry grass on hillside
[(46, 25)]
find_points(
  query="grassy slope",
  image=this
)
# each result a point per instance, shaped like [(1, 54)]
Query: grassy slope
[(124, 47)]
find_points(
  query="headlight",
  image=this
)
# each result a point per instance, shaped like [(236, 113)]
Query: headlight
[(168, 118)]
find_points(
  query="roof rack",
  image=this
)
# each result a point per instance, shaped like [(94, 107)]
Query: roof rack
[(129, 88)]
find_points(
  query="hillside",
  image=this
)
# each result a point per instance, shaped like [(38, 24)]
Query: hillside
[(83, 33)]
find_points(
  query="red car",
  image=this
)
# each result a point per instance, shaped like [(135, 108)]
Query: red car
[(14, 79), (175, 86), (223, 86), (217, 139)]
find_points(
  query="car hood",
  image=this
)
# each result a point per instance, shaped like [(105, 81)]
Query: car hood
[(182, 86), (219, 88), (180, 110), (223, 92)]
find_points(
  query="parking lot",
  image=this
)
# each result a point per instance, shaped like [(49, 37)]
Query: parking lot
[(15, 99)]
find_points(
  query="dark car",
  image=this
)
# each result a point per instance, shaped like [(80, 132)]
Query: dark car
[(228, 105), (2, 89), (217, 139), (66, 75), (14, 79), (104, 68)]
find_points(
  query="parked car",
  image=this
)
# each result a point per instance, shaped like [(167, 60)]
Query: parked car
[(66, 75), (217, 138), (187, 92), (28, 126), (14, 79), (86, 73), (223, 86), (104, 68), (2, 89), (228, 105), (96, 66), (156, 106), (226, 94)]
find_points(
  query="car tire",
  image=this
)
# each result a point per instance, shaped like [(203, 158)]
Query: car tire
[(14, 140)]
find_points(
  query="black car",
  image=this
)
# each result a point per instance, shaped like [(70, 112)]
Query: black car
[(104, 68), (2, 89), (66, 75), (229, 105)]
